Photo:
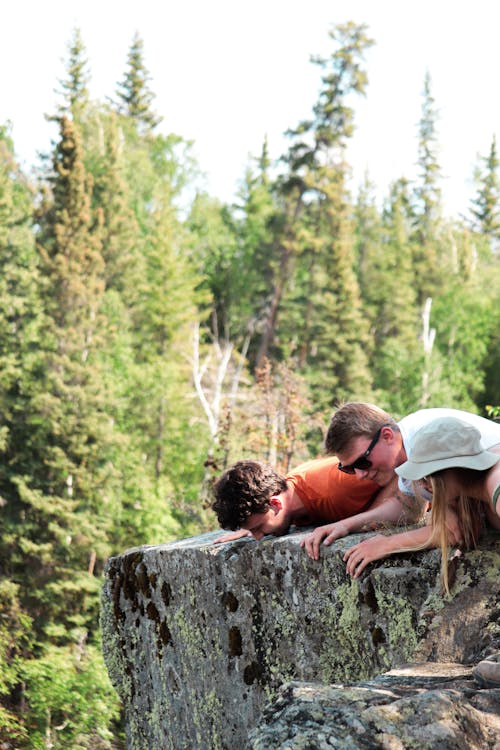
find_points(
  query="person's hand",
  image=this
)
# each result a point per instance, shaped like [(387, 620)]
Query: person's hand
[(360, 555), (326, 534), (232, 536)]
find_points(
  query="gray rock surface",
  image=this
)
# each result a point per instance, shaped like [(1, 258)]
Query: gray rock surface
[(199, 638), (422, 707)]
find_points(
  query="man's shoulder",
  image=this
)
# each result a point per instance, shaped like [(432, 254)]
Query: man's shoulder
[(315, 464)]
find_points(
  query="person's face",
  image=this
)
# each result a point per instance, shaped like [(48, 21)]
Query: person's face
[(275, 521), (383, 457)]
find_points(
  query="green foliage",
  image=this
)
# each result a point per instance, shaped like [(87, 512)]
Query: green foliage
[(134, 94), (466, 319), (15, 627), (120, 233), (485, 207), (316, 241), (428, 192), (150, 335), (213, 248), (75, 86), (71, 702), (428, 253), (253, 261)]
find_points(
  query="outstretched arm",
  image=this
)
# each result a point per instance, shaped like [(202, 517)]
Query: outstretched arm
[(380, 545), (233, 536), (376, 547), (388, 507)]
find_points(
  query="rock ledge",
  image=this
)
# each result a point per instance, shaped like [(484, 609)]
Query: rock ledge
[(199, 638)]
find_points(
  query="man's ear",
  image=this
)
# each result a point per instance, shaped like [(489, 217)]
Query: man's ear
[(387, 434), (276, 503)]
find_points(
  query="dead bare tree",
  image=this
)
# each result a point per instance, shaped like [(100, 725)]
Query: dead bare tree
[(217, 380)]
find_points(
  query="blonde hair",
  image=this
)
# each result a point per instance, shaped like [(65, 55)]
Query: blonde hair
[(467, 513)]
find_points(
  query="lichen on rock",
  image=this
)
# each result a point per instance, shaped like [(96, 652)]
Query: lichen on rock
[(198, 638), (415, 708)]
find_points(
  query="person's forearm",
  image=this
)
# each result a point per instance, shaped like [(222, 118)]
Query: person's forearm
[(379, 546), (407, 539), (389, 511), (411, 509)]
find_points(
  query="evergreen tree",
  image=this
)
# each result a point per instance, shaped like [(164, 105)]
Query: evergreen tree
[(428, 208), (213, 248), (153, 275), (428, 192), (389, 288), (21, 323), (68, 487), (389, 299), (328, 327), (15, 626), (251, 266), (334, 329), (120, 236), (367, 229), (135, 97), (20, 306), (485, 206), (165, 314), (75, 89)]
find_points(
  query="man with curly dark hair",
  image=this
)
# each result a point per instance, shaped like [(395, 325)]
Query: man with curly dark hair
[(252, 498)]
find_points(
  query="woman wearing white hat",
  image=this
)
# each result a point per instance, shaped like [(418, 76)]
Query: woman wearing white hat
[(448, 459)]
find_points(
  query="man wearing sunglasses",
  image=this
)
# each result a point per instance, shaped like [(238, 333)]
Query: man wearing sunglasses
[(371, 444)]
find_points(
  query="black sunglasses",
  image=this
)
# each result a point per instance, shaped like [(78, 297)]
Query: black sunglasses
[(362, 462)]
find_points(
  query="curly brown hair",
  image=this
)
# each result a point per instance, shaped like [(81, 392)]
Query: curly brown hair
[(245, 488)]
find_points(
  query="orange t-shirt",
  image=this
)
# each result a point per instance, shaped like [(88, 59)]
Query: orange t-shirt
[(329, 494)]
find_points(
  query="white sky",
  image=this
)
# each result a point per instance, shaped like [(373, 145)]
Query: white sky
[(227, 73)]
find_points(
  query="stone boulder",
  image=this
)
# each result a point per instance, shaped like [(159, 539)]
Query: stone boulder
[(198, 638), (424, 706)]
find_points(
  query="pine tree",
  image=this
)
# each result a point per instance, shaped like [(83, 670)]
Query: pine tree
[(75, 88), (389, 299), (21, 324), (389, 288), (317, 239), (152, 268), (428, 254), (213, 248), (68, 487), (485, 206), (164, 315), (121, 238), (367, 228), (335, 330), (135, 97), (252, 269), (52, 538)]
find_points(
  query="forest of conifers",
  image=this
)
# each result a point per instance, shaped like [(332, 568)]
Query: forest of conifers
[(150, 335)]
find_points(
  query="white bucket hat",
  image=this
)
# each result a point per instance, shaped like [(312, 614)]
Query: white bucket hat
[(445, 443)]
